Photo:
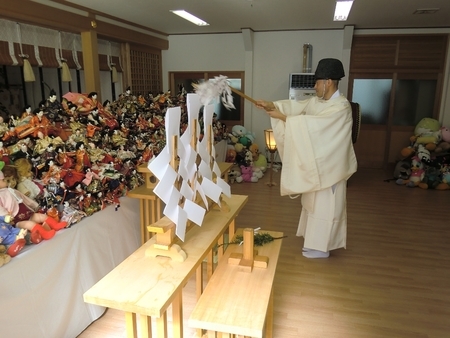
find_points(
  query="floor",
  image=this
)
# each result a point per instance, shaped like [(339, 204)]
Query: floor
[(390, 282)]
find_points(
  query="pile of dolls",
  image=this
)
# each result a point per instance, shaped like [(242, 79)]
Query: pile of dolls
[(76, 156)]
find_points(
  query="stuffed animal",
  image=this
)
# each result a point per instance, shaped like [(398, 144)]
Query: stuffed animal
[(248, 175), (25, 183), (235, 175), (445, 178), (423, 154), (417, 174), (402, 170), (243, 136), (254, 149), (444, 145), (4, 257), (261, 163), (431, 178), (231, 155), (426, 133)]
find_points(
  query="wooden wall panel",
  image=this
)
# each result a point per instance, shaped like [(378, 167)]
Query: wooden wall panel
[(370, 148), (373, 53), (422, 52)]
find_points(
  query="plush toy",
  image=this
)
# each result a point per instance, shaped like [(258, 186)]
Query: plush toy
[(417, 174), (231, 155), (235, 175), (431, 178), (261, 163), (423, 154), (444, 145), (426, 133), (4, 257), (248, 175), (254, 149), (402, 170), (444, 178), (243, 136), (19, 176)]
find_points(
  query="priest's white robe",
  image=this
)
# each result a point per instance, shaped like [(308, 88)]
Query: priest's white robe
[(317, 154)]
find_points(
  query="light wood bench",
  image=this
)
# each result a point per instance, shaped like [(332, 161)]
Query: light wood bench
[(237, 301), (147, 286)]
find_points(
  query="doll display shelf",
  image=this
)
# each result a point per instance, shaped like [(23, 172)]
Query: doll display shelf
[(146, 286), (43, 286)]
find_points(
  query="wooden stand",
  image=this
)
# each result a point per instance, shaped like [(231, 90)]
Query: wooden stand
[(150, 204), (165, 241), (249, 258), (236, 302)]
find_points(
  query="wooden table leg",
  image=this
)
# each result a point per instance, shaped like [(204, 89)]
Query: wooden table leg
[(158, 208), (130, 322), (143, 225), (209, 264), (177, 315), (146, 326), (231, 229), (153, 211), (148, 220), (269, 317), (220, 248), (199, 290), (161, 326)]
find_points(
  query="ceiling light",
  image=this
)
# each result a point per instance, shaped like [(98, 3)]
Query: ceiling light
[(342, 10), (426, 11), (190, 17)]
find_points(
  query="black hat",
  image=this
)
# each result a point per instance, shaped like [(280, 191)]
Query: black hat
[(330, 69)]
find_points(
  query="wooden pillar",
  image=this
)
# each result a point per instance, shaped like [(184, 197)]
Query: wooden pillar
[(125, 52), (90, 62)]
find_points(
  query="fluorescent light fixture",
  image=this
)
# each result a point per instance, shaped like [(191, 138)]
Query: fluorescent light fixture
[(190, 17), (342, 10)]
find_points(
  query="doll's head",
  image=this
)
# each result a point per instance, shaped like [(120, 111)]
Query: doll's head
[(3, 183), (9, 177)]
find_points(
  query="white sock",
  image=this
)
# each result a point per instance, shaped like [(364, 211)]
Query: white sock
[(315, 254)]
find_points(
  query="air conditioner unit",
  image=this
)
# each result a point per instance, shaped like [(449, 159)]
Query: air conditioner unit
[(301, 86)]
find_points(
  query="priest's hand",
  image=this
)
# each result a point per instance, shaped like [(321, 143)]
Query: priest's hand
[(266, 105)]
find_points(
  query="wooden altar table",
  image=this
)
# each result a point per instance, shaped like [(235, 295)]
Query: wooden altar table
[(145, 286)]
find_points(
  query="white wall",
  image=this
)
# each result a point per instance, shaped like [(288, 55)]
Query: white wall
[(272, 56)]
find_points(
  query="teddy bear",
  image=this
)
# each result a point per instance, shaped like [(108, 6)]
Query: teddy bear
[(25, 182), (231, 155), (259, 160), (235, 175), (248, 175)]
